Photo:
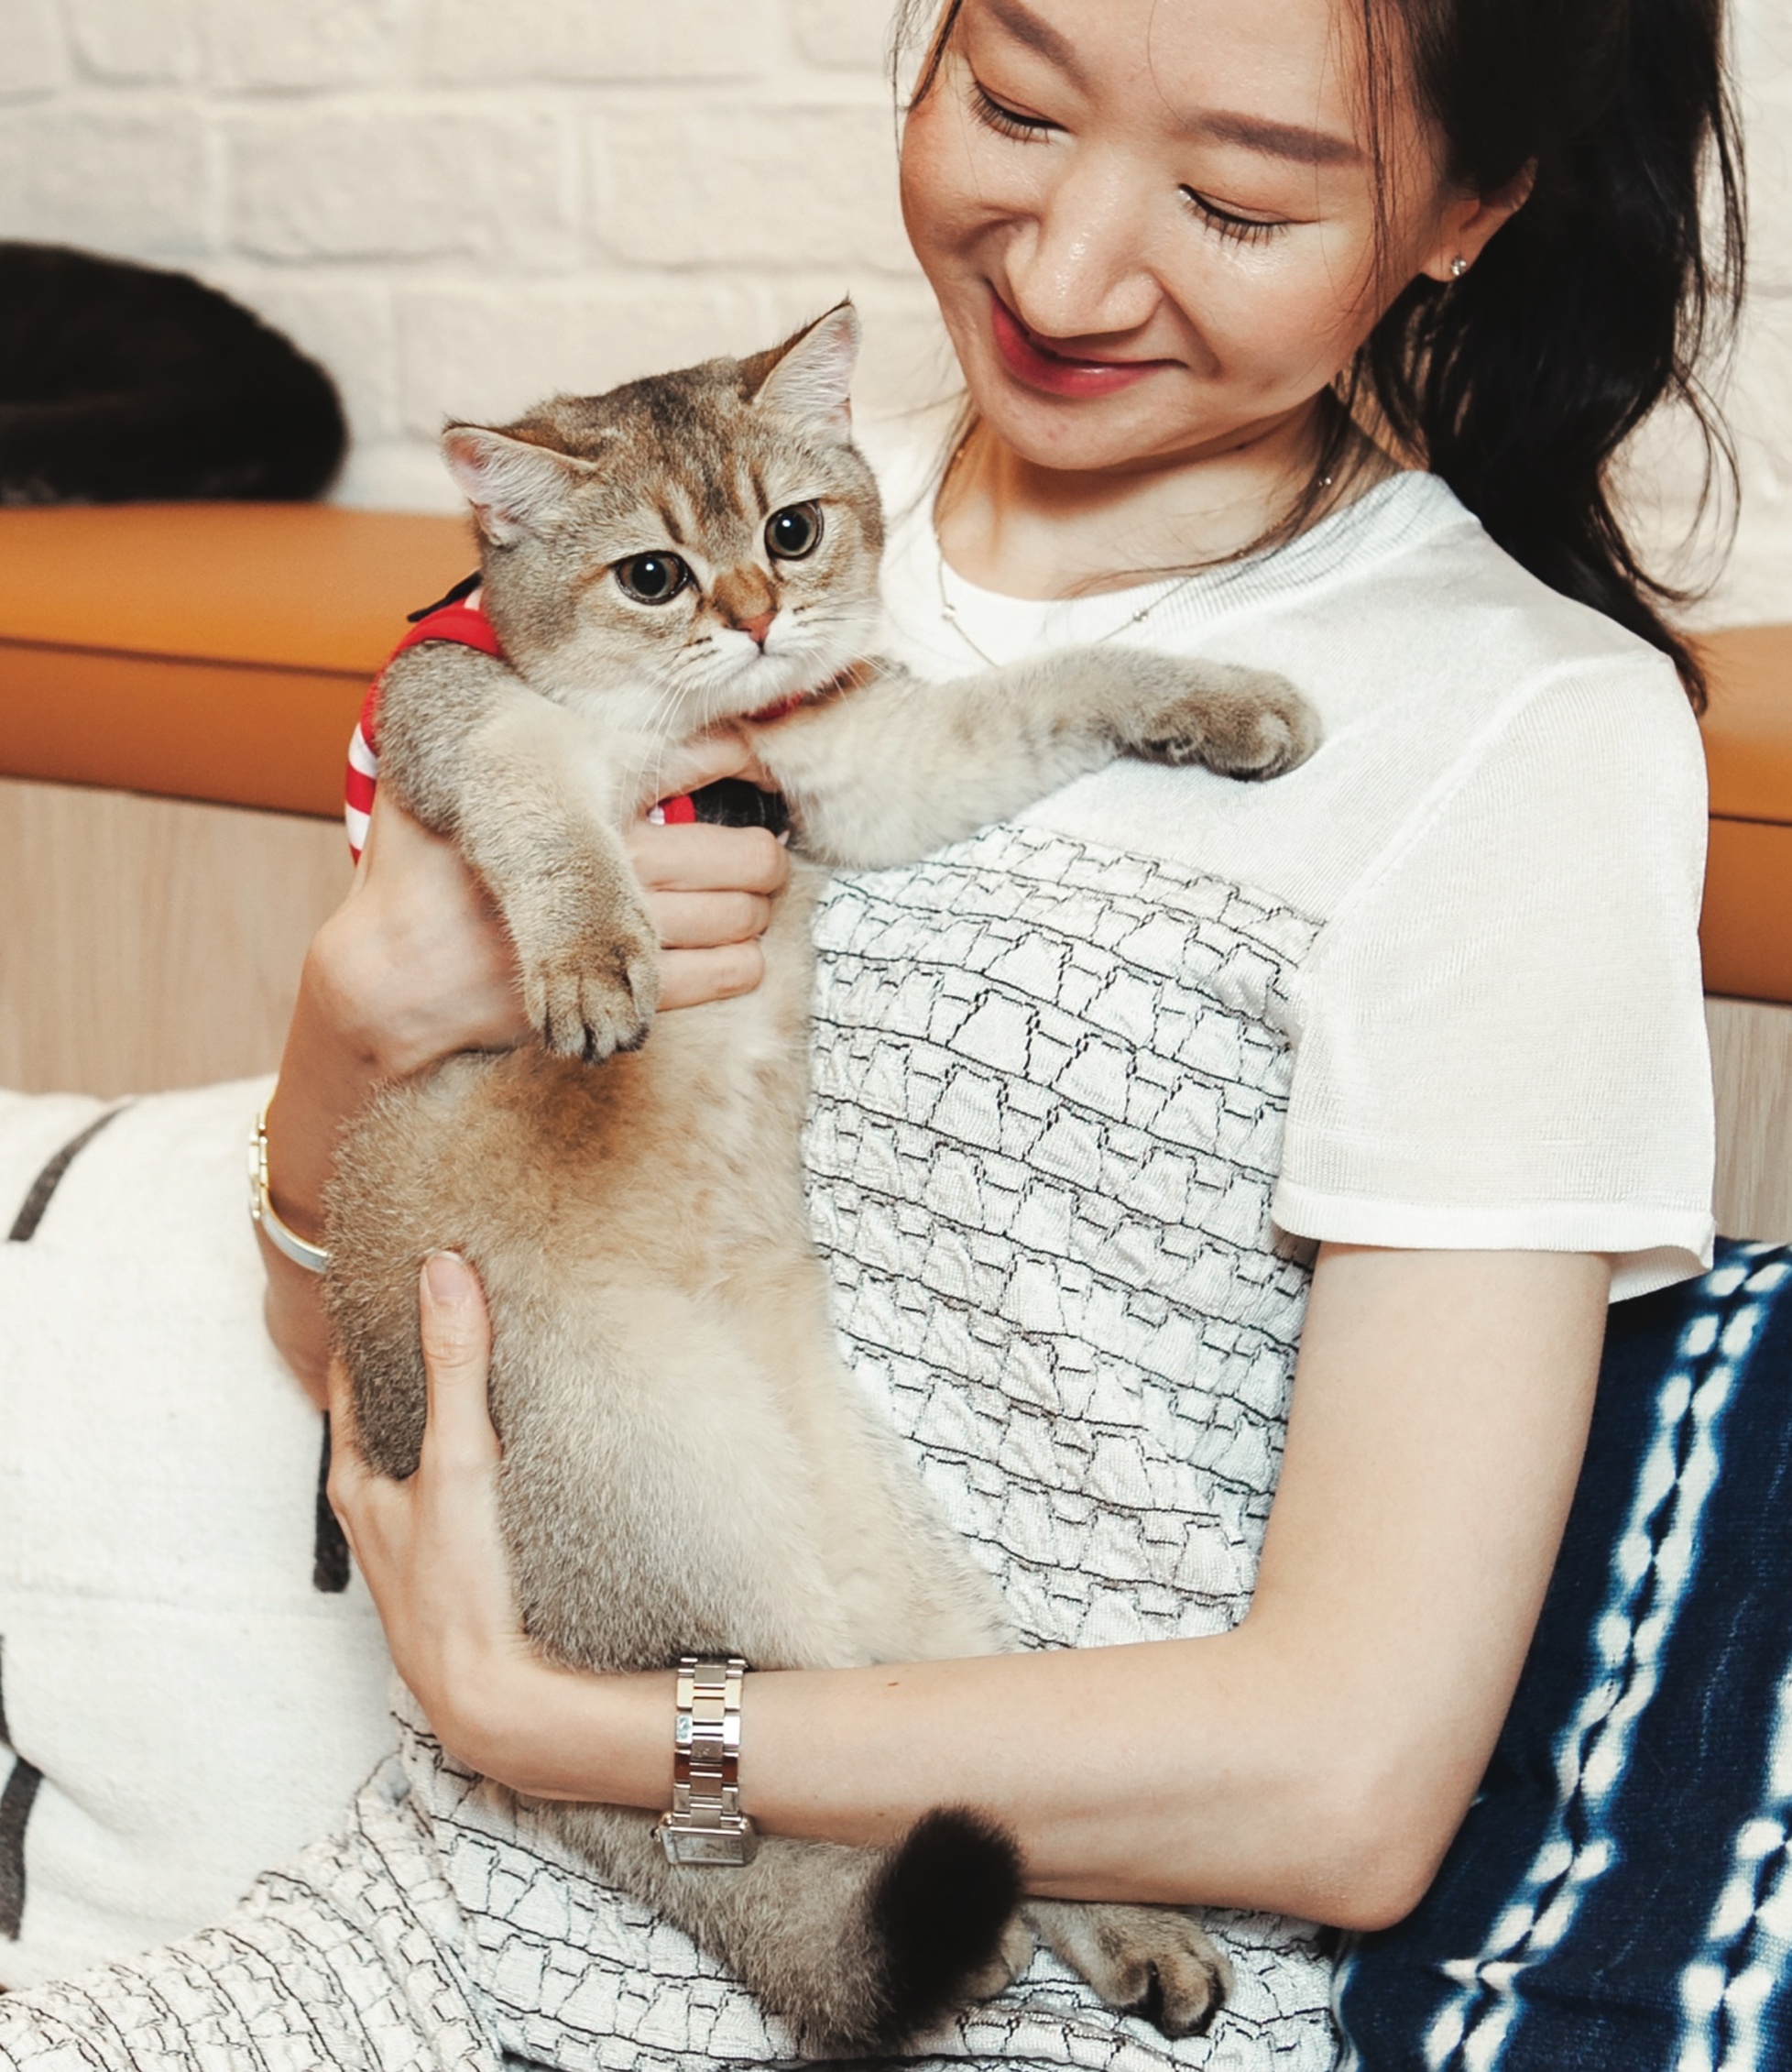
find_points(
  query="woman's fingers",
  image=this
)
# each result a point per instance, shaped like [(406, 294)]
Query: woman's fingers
[(457, 1348), (707, 920), (700, 857), (349, 1472), (690, 977), (709, 891)]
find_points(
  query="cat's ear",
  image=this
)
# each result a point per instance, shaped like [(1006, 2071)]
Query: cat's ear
[(810, 375), (515, 488)]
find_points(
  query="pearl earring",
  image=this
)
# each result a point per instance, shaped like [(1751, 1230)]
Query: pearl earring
[(1458, 266)]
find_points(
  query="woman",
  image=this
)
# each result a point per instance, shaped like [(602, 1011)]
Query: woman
[(1400, 1060)]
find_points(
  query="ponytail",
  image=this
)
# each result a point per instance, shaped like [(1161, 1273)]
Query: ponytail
[(1520, 382)]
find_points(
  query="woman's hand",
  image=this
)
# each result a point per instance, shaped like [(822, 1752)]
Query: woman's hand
[(430, 1547), (432, 1555), (415, 965), (709, 889)]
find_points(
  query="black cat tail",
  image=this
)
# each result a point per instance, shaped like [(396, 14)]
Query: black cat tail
[(939, 1908)]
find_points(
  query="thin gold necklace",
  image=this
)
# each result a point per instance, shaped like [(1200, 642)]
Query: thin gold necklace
[(949, 611)]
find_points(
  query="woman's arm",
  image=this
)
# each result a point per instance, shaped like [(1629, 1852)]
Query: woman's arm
[(1316, 1760), (415, 965)]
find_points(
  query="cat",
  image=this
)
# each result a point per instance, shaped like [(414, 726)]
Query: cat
[(687, 1463), (121, 383)]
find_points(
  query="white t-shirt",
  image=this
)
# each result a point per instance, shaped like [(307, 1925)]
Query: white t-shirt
[(1497, 1030), (1087, 1087)]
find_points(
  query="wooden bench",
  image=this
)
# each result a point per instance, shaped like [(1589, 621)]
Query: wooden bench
[(178, 685)]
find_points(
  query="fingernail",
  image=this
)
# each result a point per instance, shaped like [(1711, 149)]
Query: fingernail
[(445, 1274)]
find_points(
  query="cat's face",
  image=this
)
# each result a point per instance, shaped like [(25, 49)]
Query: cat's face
[(688, 549)]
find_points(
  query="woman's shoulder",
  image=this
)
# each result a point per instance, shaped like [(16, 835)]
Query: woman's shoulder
[(1453, 689), (1402, 614)]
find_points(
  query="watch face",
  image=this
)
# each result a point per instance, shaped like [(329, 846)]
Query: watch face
[(701, 1846)]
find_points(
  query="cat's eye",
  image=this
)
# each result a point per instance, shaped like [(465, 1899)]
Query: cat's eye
[(794, 532), (651, 578)]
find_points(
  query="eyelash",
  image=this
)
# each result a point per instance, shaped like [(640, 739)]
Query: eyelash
[(1027, 130), (1030, 129), (1244, 230)]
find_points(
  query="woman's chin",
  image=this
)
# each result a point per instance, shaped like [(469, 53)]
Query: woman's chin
[(1094, 434)]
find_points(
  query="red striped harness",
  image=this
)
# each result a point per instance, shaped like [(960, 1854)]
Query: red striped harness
[(463, 622)]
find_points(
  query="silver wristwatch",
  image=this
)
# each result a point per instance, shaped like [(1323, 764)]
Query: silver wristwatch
[(705, 1823)]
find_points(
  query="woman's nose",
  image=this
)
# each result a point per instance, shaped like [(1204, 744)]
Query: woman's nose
[(1076, 267)]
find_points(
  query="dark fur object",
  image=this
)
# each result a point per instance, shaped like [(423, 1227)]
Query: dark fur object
[(122, 384), (940, 1903)]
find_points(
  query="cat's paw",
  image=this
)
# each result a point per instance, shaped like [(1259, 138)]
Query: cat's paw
[(592, 992), (1256, 725), (1151, 1961)]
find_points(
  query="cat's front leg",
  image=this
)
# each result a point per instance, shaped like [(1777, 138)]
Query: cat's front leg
[(540, 836), (898, 767), (532, 793)]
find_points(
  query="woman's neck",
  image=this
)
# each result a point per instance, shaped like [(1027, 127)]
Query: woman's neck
[(1026, 531)]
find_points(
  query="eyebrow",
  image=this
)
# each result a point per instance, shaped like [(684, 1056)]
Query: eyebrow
[(1276, 139), (1026, 27), (1254, 133)]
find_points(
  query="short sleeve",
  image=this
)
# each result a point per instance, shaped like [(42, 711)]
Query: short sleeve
[(1499, 1037)]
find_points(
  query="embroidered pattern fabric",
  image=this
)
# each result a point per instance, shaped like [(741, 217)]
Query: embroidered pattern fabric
[(347, 1960), (1050, 1088)]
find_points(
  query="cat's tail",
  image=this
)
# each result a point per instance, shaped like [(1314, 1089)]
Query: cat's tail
[(936, 1916), (858, 1950)]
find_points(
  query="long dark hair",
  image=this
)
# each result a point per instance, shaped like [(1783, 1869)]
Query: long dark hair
[(1602, 298)]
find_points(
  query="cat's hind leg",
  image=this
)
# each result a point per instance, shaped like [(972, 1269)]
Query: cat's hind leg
[(1151, 1961), (856, 1949)]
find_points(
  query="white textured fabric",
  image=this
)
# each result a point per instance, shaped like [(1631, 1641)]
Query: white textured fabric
[(346, 1961), (196, 1710)]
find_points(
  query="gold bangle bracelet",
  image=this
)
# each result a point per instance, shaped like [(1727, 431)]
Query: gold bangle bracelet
[(285, 1241)]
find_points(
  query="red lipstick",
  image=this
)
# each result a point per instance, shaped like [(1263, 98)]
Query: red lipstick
[(1059, 374)]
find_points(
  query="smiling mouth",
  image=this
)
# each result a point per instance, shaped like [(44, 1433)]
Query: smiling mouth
[(1041, 366)]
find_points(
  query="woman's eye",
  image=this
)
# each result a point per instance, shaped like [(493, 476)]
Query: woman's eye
[(1006, 121), (651, 578), (793, 532), (1248, 230)]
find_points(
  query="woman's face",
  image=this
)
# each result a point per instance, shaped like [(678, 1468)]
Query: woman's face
[(1151, 223)]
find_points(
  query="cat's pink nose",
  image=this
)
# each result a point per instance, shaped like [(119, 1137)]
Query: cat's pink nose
[(759, 626)]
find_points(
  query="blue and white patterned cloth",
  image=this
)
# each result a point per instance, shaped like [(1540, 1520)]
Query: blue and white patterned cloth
[(1620, 1898)]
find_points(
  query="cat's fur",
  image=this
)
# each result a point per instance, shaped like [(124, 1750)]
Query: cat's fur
[(687, 1464), (121, 382)]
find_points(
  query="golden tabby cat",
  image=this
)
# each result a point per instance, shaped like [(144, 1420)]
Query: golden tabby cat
[(687, 1464)]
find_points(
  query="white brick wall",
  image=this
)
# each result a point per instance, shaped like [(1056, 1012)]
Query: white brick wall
[(460, 204)]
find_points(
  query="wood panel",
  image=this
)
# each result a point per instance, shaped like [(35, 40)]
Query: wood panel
[(149, 942), (1751, 1066)]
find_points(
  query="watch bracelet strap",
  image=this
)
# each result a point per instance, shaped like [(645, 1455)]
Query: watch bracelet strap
[(705, 1823), (286, 1241)]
